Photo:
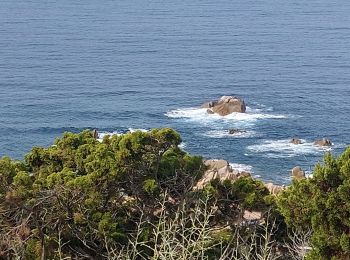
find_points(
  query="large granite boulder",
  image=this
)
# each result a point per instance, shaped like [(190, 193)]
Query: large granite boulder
[(323, 142), (215, 164), (298, 173), (225, 105), (273, 188), (217, 169)]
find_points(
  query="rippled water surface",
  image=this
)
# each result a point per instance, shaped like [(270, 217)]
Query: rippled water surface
[(113, 65)]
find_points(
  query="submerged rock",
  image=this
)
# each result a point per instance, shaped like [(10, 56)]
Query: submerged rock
[(225, 105), (295, 141), (323, 142), (298, 173), (233, 131)]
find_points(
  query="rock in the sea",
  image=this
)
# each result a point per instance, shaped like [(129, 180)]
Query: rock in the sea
[(226, 105), (323, 142), (209, 111), (274, 189), (298, 173), (233, 131), (295, 141), (209, 104)]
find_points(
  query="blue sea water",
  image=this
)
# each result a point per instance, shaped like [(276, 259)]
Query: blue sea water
[(113, 65)]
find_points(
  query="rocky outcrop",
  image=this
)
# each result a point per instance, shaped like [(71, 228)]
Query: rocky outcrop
[(225, 105), (298, 173), (323, 142), (233, 131), (222, 170), (215, 164), (295, 141), (273, 188), (219, 169)]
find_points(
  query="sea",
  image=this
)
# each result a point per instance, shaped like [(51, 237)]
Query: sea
[(118, 66)]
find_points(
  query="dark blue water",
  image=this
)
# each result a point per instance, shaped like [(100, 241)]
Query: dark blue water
[(112, 65)]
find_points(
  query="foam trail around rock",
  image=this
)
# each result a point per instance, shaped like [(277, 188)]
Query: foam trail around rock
[(283, 148), (226, 134), (102, 134), (200, 115), (241, 167)]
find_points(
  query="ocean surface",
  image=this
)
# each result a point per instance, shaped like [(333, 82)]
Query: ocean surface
[(120, 65)]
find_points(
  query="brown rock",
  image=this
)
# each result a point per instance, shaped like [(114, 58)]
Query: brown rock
[(226, 105), (216, 169), (209, 104), (295, 141), (215, 164), (252, 215), (323, 142), (274, 189), (244, 174), (298, 173)]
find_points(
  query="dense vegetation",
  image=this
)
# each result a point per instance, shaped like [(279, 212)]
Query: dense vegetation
[(131, 197)]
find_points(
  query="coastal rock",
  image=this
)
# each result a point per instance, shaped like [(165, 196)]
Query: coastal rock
[(215, 164), (94, 134), (210, 112), (225, 105), (274, 189), (217, 169), (323, 142), (233, 131), (298, 173), (222, 170), (295, 141), (244, 174), (209, 104)]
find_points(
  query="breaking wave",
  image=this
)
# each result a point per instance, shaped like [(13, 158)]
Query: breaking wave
[(225, 133), (200, 116), (283, 148)]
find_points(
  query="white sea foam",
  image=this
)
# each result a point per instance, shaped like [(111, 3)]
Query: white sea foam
[(101, 135), (283, 148), (200, 115), (225, 133), (242, 167), (132, 130), (182, 145)]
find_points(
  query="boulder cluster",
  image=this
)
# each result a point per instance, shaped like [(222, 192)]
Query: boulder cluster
[(322, 142), (219, 169), (222, 170)]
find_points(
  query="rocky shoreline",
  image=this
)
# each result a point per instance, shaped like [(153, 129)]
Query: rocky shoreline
[(222, 170)]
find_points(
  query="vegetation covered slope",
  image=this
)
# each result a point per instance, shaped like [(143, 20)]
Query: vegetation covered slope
[(132, 197), (322, 203)]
